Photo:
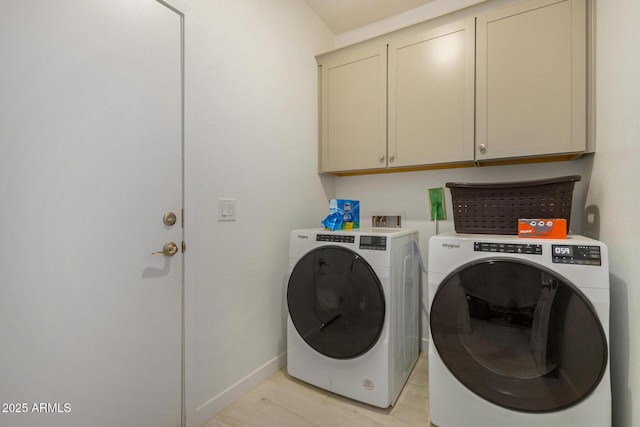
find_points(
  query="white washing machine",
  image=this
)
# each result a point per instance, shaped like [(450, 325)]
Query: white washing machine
[(519, 332), (353, 324)]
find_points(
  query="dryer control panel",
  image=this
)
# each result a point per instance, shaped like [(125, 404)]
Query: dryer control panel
[(375, 243), (576, 254)]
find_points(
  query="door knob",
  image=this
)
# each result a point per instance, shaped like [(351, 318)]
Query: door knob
[(168, 249)]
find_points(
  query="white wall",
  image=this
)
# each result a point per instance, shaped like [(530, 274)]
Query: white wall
[(251, 135), (609, 189), (614, 191), (251, 126), (408, 193)]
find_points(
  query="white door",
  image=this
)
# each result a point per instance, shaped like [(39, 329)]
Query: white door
[(90, 161)]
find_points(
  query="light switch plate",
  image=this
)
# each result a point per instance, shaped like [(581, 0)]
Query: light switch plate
[(226, 209)]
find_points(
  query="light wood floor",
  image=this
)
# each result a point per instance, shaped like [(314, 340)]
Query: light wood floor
[(284, 401)]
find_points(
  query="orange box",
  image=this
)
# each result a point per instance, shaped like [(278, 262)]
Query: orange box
[(543, 228)]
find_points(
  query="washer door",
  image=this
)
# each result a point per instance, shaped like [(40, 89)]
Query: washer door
[(336, 302), (518, 336)]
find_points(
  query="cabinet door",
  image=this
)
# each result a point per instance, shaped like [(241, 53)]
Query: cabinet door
[(531, 79), (354, 115), (431, 97)]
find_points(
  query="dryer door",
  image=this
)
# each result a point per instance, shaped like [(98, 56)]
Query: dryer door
[(518, 335), (336, 302)]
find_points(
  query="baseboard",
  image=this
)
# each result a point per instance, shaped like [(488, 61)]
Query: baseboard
[(210, 408)]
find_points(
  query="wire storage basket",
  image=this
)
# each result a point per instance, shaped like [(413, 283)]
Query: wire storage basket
[(494, 208)]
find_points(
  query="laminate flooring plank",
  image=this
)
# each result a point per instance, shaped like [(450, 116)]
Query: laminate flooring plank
[(283, 401)]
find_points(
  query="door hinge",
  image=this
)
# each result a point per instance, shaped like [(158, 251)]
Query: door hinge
[(184, 247)]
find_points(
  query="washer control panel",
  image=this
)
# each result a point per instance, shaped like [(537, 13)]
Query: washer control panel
[(335, 238), (576, 254), (374, 243), (510, 248)]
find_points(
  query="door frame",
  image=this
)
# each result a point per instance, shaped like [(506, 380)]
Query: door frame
[(187, 370), (180, 8)]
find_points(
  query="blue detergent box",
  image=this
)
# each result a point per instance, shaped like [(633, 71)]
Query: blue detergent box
[(343, 215)]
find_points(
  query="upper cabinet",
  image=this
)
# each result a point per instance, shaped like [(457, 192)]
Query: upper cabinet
[(431, 95), (508, 83), (354, 112), (531, 80)]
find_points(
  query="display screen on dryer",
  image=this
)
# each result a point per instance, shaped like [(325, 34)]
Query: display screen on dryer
[(376, 243), (562, 250), (576, 254)]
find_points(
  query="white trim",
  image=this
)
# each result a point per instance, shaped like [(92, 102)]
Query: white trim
[(209, 409), (179, 6), (424, 345)]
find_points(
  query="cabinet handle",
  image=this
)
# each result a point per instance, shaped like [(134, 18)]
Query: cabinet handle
[(392, 158), (483, 149), (381, 159)]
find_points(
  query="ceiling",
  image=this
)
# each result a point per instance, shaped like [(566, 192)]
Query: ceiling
[(344, 15)]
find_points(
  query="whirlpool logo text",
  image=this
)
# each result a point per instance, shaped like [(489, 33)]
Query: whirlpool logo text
[(451, 246)]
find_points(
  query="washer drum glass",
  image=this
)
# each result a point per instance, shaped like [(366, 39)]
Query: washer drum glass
[(336, 302), (518, 335)]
